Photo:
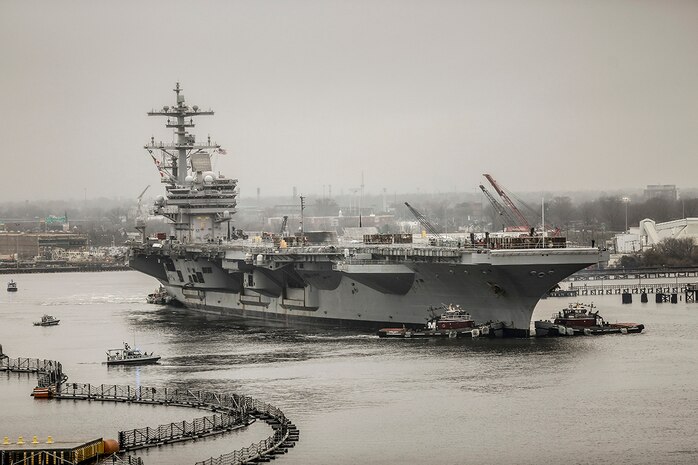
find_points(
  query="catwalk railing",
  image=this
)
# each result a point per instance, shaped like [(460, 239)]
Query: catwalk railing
[(230, 411), (199, 427), (285, 435), (234, 412), (238, 411), (50, 372)]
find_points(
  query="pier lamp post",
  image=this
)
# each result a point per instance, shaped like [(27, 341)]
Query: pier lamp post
[(625, 201)]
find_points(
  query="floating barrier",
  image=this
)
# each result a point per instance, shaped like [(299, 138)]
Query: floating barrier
[(231, 411)]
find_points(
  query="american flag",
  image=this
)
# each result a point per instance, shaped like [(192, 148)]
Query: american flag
[(222, 151)]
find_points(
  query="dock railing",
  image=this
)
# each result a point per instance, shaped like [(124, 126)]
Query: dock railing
[(199, 427), (50, 372), (230, 411)]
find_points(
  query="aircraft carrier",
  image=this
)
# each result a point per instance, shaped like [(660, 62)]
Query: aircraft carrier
[(207, 264)]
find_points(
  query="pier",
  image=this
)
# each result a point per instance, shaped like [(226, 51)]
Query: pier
[(84, 268), (611, 274), (618, 289), (666, 284), (230, 411), (50, 453)]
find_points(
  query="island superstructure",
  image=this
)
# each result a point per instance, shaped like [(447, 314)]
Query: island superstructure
[(207, 264)]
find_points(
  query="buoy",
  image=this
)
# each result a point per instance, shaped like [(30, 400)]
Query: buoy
[(570, 332), (624, 330), (587, 332), (475, 332), (562, 330), (111, 446), (20, 440), (5, 441), (35, 440), (485, 330), (49, 440)]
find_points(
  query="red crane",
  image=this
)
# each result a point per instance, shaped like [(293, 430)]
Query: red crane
[(519, 216)]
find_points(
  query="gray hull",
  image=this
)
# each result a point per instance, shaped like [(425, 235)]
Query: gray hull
[(499, 286)]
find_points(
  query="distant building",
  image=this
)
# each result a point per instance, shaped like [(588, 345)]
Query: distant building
[(661, 191), (629, 242), (648, 234), (25, 246)]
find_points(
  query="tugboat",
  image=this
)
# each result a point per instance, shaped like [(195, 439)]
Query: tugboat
[(47, 320), (452, 322), (129, 356), (12, 286), (580, 319), (159, 297), (453, 317)]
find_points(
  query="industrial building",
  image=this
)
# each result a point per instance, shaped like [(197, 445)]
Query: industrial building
[(648, 233), (25, 246)]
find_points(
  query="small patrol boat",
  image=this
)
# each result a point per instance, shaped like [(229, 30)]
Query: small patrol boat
[(47, 320), (12, 286), (581, 320), (130, 356)]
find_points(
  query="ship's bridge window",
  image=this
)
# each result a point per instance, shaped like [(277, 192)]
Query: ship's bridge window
[(200, 276), (207, 269), (181, 278)]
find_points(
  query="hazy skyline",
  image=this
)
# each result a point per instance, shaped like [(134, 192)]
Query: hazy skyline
[(544, 95)]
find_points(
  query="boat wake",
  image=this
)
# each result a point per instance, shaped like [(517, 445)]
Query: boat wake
[(95, 299)]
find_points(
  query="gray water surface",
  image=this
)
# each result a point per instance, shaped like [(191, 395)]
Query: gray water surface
[(619, 399)]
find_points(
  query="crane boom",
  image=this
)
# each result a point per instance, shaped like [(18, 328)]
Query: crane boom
[(140, 196), (499, 208), (283, 225), (521, 219), (423, 221)]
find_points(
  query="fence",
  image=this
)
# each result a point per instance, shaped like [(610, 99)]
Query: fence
[(285, 434), (232, 410), (235, 411), (114, 459), (145, 437), (182, 397), (50, 372)]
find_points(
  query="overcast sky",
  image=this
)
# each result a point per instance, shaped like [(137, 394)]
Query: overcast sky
[(544, 95)]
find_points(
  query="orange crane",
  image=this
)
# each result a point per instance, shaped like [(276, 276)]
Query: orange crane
[(519, 216)]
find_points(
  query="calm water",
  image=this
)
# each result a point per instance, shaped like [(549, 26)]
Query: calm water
[(598, 400)]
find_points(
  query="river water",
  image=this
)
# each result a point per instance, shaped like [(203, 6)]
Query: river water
[(618, 399)]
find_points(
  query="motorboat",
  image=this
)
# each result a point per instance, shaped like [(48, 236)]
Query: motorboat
[(12, 286), (130, 356), (47, 320)]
